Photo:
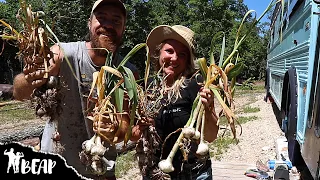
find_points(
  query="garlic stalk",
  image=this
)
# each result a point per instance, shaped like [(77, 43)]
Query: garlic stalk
[(189, 131), (166, 165), (197, 132), (203, 148), (196, 111)]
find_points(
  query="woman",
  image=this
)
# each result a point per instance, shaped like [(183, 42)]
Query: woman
[(171, 50)]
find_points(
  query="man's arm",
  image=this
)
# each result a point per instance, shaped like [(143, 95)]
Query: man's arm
[(24, 83), (22, 89)]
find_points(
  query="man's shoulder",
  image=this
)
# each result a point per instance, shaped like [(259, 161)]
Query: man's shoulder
[(70, 48), (132, 67), (129, 64), (71, 44)]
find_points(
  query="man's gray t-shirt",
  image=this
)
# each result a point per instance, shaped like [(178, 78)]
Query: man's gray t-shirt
[(73, 127)]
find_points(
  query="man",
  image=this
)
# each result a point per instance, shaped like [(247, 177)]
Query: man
[(106, 27)]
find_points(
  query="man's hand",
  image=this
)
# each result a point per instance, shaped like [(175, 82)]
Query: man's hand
[(24, 83), (22, 88), (35, 78), (138, 129), (31, 78)]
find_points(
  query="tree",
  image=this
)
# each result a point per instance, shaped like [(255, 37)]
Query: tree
[(68, 20)]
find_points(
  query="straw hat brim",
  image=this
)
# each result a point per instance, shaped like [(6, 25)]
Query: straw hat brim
[(164, 32)]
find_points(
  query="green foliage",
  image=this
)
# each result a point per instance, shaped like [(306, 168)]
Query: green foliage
[(9, 64), (259, 87), (223, 121), (68, 19)]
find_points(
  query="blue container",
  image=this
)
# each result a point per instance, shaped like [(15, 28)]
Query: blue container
[(271, 163)]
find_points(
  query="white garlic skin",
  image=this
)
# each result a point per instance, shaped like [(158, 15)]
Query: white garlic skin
[(188, 132), (196, 135), (203, 149), (87, 145), (166, 166)]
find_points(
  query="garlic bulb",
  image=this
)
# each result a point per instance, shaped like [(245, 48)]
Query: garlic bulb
[(196, 135), (166, 166), (88, 144), (203, 149), (188, 132), (98, 148)]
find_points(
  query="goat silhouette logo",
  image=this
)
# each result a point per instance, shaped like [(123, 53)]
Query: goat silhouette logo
[(20, 165)]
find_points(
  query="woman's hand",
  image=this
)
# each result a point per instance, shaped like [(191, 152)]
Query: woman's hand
[(207, 99)]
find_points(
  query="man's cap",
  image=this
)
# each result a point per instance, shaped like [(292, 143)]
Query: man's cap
[(117, 3)]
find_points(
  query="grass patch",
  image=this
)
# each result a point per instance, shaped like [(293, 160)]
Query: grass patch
[(220, 146), (222, 143), (249, 109), (124, 163), (240, 119), (259, 88), (255, 88), (244, 119), (16, 112), (223, 121)]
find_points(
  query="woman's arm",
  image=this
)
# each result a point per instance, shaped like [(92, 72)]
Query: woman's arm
[(211, 128)]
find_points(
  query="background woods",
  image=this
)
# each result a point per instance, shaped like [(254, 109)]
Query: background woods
[(68, 19)]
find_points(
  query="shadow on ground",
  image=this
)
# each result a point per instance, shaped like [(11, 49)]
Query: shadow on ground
[(277, 113)]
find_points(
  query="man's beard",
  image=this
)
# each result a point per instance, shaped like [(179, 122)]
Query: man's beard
[(110, 42)]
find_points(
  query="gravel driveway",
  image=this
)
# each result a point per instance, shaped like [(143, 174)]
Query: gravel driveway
[(257, 141)]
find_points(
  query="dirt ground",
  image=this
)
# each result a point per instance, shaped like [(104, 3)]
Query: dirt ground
[(257, 141)]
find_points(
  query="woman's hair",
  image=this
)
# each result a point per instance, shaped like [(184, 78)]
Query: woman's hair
[(173, 92)]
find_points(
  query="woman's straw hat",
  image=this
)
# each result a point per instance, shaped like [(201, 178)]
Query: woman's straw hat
[(176, 32)]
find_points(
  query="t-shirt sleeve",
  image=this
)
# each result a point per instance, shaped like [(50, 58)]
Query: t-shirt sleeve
[(132, 67)]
